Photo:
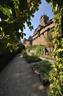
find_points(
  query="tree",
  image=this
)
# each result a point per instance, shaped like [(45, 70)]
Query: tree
[(56, 74), (13, 15)]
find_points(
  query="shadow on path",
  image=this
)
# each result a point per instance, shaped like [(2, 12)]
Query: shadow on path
[(17, 79)]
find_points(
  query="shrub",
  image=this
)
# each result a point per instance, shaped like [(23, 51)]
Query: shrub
[(31, 59), (36, 50)]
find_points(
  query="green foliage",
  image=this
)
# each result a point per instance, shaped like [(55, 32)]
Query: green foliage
[(56, 74), (43, 68), (31, 59), (49, 38), (13, 14), (37, 50), (17, 12)]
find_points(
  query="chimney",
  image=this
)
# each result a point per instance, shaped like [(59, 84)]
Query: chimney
[(43, 20)]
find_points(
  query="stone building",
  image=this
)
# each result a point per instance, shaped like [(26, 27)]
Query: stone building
[(41, 32)]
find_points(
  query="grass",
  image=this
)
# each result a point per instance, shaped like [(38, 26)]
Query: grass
[(43, 68)]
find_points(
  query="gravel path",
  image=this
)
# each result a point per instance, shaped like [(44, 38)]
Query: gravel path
[(17, 79)]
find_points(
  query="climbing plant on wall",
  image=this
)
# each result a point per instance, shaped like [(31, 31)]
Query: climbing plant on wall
[(56, 74)]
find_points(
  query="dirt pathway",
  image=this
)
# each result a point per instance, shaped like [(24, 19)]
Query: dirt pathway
[(17, 79)]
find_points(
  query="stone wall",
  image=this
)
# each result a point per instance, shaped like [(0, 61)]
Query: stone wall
[(40, 38), (40, 32)]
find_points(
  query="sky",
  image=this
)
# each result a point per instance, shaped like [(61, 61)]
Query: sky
[(44, 9)]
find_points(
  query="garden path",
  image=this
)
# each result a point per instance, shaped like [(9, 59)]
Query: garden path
[(17, 79)]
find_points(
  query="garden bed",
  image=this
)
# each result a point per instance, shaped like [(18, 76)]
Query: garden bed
[(42, 70), (32, 59)]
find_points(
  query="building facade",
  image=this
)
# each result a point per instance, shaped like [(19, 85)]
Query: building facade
[(41, 32)]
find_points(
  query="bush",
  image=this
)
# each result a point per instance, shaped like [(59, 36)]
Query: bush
[(39, 50), (31, 59), (21, 47), (36, 50), (6, 55), (5, 58), (56, 76)]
